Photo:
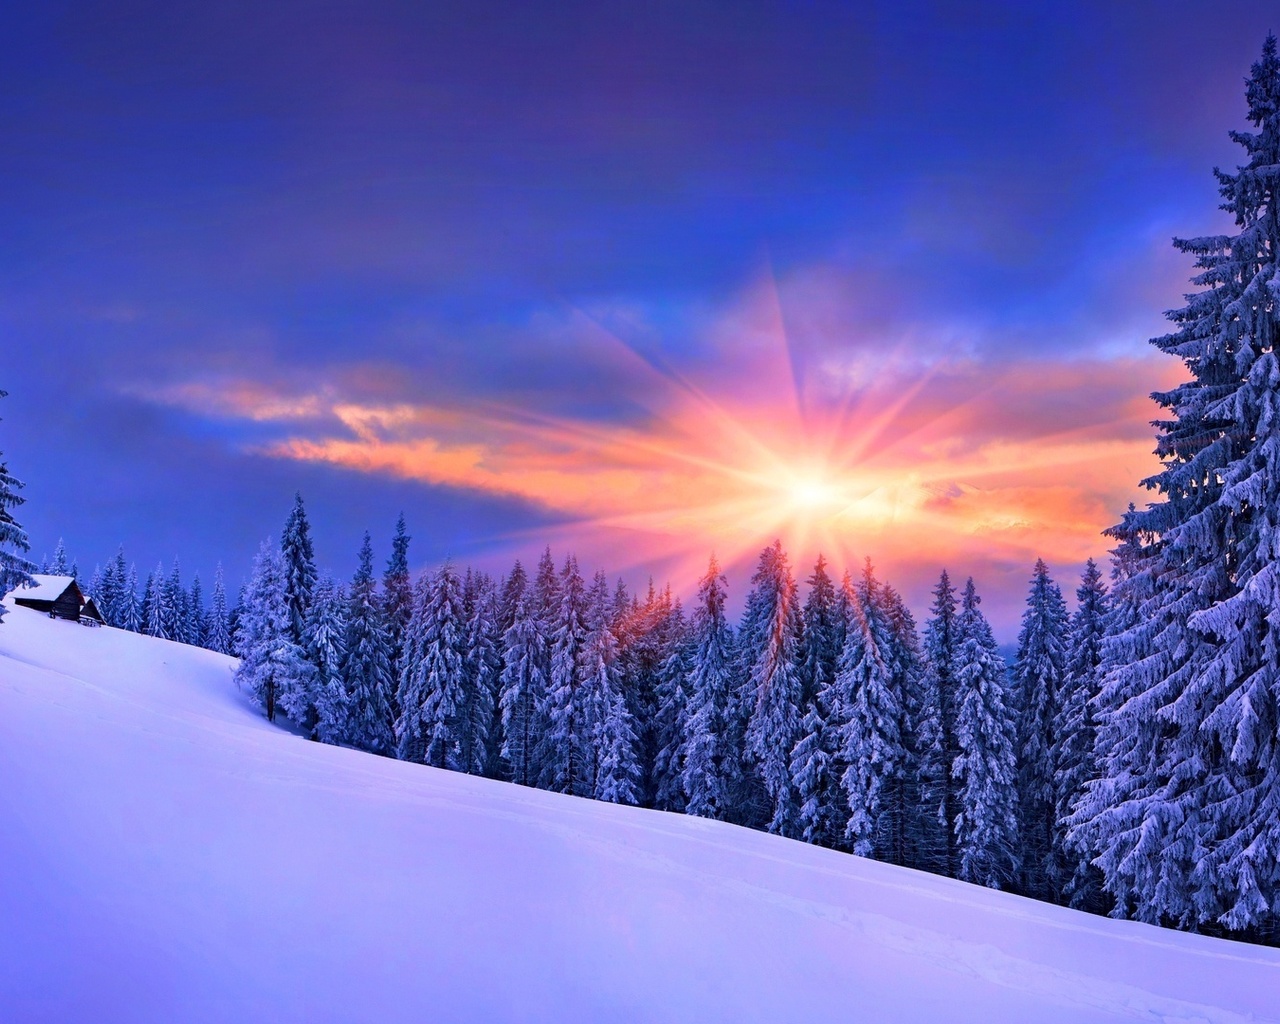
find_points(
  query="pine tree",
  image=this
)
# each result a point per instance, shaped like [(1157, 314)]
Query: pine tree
[(431, 685), (708, 758), (524, 684), (172, 610), (823, 633), (131, 607), (218, 634), (197, 624), (397, 590), (1196, 840), (565, 753), (1075, 731), (155, 613), (1039, 674), (613, 767), (368, 671), (481, 668), (772, 639), (870, 737), (938, 747), (300, 566), (663, 696), (917, 835), (271, 664), (15, 567), (58, 565), (323, 711), (985, 769)]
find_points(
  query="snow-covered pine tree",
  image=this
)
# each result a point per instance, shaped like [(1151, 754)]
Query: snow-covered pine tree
[(667, 659), (58, 565), (130, 606), (985, 769), (482, 665), (431, 685), (173, 606), (397, 590), (15, 567), (271, 664), (708, 760), (300, 566), (773, 648), (323, 712), (155, 613), (1039, 674), (524, 686), (936, 729), (218, 634), (613, 769), (109, 588), (1075, 730), (823, 632), (870, 737), (368, 669), (197, 623), (565, 752), (917, 835), (1196, 841)]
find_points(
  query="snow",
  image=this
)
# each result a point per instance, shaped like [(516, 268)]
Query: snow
[(168, 855), (44, 588)]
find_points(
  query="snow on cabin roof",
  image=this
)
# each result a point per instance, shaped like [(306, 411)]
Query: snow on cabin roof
[(46, 588)]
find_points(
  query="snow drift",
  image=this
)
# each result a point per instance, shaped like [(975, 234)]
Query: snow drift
[(166, 854)]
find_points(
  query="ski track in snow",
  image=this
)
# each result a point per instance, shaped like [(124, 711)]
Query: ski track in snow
[(766, 926)]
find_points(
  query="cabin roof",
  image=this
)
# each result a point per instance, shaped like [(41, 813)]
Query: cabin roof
[(45, 588)]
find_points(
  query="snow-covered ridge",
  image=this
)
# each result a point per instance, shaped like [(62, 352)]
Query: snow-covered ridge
[(166, 854)]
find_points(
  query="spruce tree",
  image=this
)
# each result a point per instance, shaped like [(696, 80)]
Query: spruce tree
[(218, 634), (323, 710), (271, 664), (367, 671), (15, 567), (985, 769), (300, 566), (708, 758), (432, 698), (870, 737), (1039, 674), (524, 685), (481, 668), (614, 769), (156, 615), (772, 641), (917, 837), (666, 659), (397, 590), (1075, 731), (173, 606), (130, 606), (58, 565), (938, 747), (565, 752), (1196, 840)]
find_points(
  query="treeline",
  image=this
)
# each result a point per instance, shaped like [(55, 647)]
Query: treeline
[(831, 719)]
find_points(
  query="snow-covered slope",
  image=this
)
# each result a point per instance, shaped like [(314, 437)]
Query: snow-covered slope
[(166, 855)]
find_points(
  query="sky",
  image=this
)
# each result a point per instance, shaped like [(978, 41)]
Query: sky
[(639, 282)]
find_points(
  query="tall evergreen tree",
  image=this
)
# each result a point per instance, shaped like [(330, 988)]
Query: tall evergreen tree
[(1075, 731), (481, 667), (772, 640), (985, 769), (1039, 673), (368, 671), (196, 625), (156, 616), (709, 761), (218, 634), (15, 567), (614, 768), (58, 565), (1196, 840), (322, 711), (130, 606), (870, 737), (938, 744), (523, 694), (667, 654), (271, 664), (397, 590), (565, 754), (300, 566), (431, 683), (173, 610), (918, 837)]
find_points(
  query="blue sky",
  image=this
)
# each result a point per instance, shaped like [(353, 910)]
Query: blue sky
[(209, 210)]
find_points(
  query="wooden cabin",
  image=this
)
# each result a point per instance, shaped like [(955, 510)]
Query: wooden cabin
[(89, 614), (59, 597)]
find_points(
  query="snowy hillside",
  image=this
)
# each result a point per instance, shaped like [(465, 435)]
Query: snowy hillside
[(166, 855)]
